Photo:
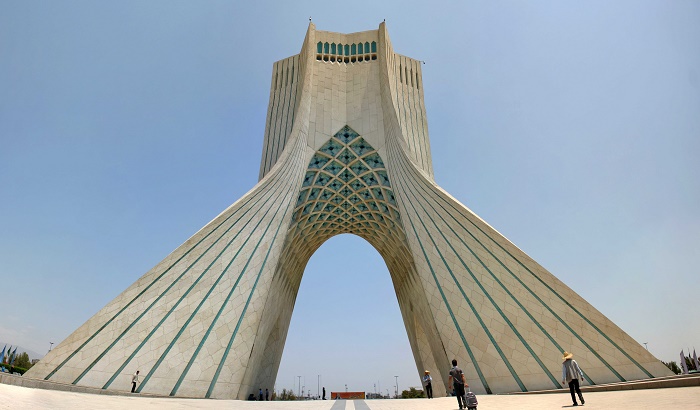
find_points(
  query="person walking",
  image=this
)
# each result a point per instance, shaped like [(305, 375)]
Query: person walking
[(570, 373), (134, 380), (324, 393), (260, 394), (267, 395), (427, 384), (458, 382)]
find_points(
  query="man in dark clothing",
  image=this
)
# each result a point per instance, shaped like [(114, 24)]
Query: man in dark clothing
[(260, 394), (458, 381), (267, 395), (324, 393)]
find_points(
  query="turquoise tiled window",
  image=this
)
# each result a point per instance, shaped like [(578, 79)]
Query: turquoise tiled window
[(309, 178), (383, 178), (336, 184), (346, 135), (314, 194), (331, 147), (306, 209), (377, 192), (356, 185), (346, 156), (322, 179), (318, 161), (334, 167), (390, 197), (361, 147), (302, 197), (346, 175), (346, 191), (358, 168), (374, 161), (370, 179)]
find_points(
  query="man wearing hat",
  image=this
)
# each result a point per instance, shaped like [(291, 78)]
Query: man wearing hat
[(427, 383), (570, 373)]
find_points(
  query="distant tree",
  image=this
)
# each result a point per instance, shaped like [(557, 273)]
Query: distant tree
[(412, 393), (22, 360), (673, 366), (287, 395)]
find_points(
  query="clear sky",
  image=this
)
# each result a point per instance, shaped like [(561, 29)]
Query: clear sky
[(571, 127)]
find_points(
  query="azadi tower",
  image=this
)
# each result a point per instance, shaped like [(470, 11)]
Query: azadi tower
[(346, 151)]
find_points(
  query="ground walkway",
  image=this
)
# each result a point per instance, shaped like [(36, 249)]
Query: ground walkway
[(16, 397)]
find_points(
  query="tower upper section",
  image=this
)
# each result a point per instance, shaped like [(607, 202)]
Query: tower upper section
[(351, 79)]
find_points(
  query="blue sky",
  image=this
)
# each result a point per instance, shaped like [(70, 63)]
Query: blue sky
[(571, 127)]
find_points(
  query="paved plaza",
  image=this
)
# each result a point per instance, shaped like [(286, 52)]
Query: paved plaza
[(15, 397)]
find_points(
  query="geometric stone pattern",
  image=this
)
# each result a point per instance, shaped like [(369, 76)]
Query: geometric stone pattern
[(346, 150)]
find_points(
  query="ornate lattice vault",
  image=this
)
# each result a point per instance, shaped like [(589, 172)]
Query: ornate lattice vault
[(346, 151)]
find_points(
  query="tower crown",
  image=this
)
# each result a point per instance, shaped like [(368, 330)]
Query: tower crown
[(346, 48)]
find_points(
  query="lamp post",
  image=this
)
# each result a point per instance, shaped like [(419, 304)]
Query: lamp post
[(397, 386), (299, 391), (318, 386), (50, 345), (645, 345), (346, 387)]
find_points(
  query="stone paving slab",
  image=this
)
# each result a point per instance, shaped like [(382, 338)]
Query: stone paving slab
[(16, 397)]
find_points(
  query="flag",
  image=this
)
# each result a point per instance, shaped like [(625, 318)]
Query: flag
[(9, 354), (2, 356), (684, 366), (14, 356), (695, 359)]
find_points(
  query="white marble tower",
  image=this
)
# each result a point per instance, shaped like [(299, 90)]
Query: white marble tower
[(346, 151)]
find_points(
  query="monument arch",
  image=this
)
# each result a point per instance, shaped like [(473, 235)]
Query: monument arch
[(346, 150)]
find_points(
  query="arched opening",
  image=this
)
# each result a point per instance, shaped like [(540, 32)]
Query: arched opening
[(346, 189), (346, 325)]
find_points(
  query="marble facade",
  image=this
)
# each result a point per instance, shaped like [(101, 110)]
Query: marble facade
[(346, 150)]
